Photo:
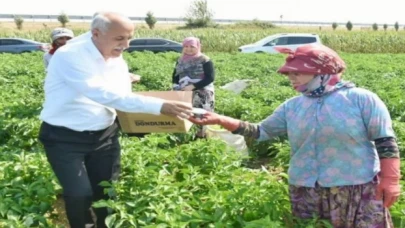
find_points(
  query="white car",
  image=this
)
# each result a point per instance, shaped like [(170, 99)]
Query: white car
[(286, 40)]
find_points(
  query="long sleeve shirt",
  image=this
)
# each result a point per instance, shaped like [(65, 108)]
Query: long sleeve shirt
[(82, 89), (331, 137)]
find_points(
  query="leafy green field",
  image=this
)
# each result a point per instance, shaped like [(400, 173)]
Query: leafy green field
[(228, 39), (168, 180)]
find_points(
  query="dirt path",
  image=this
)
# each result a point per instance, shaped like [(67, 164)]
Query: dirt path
[(59, 210)]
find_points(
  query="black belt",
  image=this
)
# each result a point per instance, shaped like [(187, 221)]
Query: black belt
[(86, 132)]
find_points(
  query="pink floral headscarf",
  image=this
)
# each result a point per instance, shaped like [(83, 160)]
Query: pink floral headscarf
[(319, 60), (312, 59), (192, 41)]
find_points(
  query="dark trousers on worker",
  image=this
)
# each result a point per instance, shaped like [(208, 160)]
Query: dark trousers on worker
[(80, 161)]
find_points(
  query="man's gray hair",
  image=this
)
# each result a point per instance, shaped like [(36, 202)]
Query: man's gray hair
[(101, 23), (96, 13)]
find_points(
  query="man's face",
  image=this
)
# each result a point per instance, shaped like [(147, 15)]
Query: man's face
[(115, 40)]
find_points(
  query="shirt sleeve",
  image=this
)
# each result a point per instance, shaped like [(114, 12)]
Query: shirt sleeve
[(45, 59), (376, 117), (387, 147), (274, 125), (80, 78), (175, 77), (209, 75)]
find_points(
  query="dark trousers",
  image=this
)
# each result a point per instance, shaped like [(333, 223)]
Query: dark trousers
[(80, 161)]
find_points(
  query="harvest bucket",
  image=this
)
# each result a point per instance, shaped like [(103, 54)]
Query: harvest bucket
[(236, 142)]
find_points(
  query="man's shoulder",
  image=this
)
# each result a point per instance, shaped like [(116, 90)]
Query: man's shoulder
[(73, 47), (71, 51), (81, 38)]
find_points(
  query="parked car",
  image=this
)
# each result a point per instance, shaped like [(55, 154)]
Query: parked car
[(19, 45), (286, 40), (154, 45)]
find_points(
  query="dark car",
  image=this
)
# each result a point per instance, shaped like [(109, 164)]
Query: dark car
[(154, 45), (19, 45)]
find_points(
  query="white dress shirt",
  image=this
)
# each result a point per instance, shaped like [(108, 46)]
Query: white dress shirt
[(47, 58), (82, 90), (82, 37)]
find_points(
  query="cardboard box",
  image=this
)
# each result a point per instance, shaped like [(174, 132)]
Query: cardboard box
[(148, 123)]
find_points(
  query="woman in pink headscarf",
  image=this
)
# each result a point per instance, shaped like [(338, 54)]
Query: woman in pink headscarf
[(194, 71), (344, 164)]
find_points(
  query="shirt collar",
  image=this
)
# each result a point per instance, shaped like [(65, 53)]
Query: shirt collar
[(91, 47)]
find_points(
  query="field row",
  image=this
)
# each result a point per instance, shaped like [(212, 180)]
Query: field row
[(168, 180), (228, 40)]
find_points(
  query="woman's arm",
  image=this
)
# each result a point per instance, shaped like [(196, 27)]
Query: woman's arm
[(273, 126), (209, 75), (175, 77)]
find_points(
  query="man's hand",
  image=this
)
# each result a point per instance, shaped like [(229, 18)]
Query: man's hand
[(134, 78), (178, 109)]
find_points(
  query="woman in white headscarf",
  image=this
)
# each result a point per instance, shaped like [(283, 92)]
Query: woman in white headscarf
[(59, 38)]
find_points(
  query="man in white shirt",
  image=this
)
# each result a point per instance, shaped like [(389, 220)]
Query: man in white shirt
[(86, 81), (86, 36), (82, 37)]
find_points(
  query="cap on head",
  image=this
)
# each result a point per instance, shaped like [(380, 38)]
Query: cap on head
[(312, 59), (61, 32)]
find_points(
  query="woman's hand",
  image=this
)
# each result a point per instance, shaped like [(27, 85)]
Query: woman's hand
[(134, 78), (211, 118), (388, 189), (188, 88)]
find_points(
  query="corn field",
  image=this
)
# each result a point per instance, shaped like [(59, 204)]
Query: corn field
[(228, 40)]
